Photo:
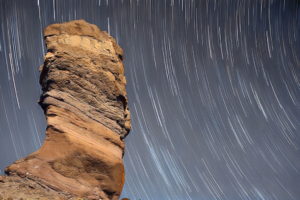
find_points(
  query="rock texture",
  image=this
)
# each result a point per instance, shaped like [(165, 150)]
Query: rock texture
[(84, 100)]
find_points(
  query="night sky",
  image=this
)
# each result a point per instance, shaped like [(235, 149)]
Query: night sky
[(213, 89)]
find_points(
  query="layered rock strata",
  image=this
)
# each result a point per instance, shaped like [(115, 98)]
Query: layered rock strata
[(84, 100)]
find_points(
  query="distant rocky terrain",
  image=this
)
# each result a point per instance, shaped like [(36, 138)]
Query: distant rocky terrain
[(84, 100)]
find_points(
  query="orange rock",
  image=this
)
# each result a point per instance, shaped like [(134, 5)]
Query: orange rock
[(84, 100)]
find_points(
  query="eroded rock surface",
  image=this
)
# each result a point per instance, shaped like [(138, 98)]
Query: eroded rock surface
[(84, 100)]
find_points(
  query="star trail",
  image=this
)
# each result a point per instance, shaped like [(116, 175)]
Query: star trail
[(213, 89)]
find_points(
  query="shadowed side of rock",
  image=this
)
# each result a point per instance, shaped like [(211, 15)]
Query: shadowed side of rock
[(84, 100)]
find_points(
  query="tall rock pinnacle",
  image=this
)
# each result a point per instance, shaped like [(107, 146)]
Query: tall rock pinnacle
[(84, 100)]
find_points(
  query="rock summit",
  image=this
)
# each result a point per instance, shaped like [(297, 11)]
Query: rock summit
[(84, 100)]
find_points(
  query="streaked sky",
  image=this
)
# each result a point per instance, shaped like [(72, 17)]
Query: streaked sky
[(213, 90)]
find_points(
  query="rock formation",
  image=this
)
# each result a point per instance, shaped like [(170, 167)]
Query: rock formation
[(84, 100)]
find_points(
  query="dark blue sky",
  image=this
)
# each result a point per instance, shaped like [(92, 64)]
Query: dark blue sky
[(213, 89)]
